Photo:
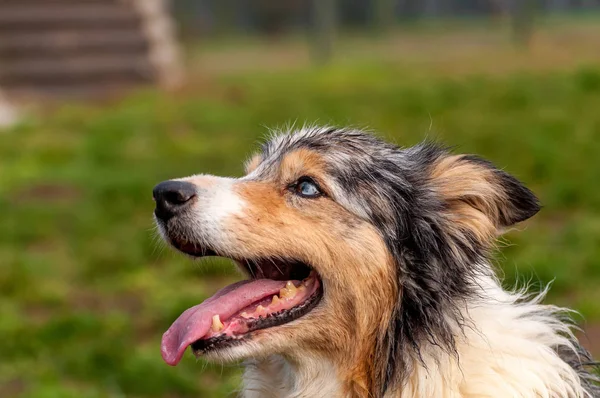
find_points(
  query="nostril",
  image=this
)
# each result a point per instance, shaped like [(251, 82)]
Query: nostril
[(178, 197), (170, 196)]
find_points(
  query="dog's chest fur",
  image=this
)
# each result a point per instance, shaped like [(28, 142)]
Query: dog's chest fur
[(278, 377), (509, 352)]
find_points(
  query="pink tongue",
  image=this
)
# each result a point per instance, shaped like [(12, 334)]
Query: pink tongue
[(195, 322)]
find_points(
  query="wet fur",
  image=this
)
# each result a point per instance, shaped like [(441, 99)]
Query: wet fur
[(401, 239)]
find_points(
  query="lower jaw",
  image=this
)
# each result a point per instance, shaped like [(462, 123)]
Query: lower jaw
[(204, 346)]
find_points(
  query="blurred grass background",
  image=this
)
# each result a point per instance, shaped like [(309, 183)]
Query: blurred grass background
[(86, 290)]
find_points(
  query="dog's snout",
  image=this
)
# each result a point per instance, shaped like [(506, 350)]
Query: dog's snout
[(171, 197)]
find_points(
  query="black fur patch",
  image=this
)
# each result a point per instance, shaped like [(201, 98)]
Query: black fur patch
[(586, 367)]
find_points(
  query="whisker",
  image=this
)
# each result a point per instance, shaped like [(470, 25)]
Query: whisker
[(276, 266), (250, 268)]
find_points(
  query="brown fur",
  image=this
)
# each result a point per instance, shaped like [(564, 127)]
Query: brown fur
[(476, 200), (323, 233), (253, 163)]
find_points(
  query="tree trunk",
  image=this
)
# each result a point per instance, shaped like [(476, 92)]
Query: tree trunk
[(558, 5), (431, 8), (522, 21), (384, 15), (224, 13), (587, 4), (324, 26)]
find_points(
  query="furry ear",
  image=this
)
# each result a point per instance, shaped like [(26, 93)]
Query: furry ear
[(252, 163), (479, 196)]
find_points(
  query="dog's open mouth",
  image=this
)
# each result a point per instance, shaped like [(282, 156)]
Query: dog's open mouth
[(278, 292)]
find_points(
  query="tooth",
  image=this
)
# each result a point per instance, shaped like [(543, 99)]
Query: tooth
[(289, 291), (276, 300), (260, 309), (301, 288), (217, 325), (245, 315)]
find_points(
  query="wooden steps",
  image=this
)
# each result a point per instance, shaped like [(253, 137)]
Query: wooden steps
[(71, 42), (55, 48), (18, 17)]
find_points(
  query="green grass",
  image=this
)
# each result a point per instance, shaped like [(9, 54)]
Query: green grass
[(85, 289)]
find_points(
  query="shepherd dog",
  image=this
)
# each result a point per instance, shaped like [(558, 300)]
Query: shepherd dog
[(367, 272)]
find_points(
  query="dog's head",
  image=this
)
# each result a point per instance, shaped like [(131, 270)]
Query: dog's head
[(353, 248)]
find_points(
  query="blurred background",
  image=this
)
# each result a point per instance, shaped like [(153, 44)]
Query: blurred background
[(100, 100)]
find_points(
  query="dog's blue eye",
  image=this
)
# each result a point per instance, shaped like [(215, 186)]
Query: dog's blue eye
[(307, 188)]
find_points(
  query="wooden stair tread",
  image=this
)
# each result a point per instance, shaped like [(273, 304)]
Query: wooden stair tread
[(62, 42), (73, 65), (20, 16), (79, 48)]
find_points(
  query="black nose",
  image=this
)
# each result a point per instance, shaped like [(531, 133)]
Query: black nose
[(171, 197)]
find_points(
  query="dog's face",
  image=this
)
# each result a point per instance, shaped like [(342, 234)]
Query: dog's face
[(352, 246)]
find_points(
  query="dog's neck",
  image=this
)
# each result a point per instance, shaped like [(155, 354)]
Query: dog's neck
[(505, 339), (277, 376)]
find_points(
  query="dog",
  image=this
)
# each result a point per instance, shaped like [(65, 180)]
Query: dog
[(367, 274)]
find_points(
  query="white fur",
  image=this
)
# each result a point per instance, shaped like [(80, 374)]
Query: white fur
[(506, 350), (216, 204), (276, 377)]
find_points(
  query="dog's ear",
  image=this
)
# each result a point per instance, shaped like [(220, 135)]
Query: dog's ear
[(479, 196), (253, 163)]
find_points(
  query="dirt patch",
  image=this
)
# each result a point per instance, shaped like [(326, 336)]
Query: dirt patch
[(47, 192), (456, 52), (39, 314), (12, 388), (590, 338)]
